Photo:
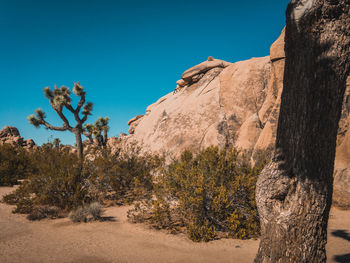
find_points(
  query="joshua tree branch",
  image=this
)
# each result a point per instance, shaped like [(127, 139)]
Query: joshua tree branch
[(69, 107), (88, 135), (77, 110), (50, 127), (63, 118), (81, 102), (84, 118)]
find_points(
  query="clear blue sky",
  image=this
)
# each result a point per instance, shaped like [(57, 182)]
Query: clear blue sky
[(126, 54)]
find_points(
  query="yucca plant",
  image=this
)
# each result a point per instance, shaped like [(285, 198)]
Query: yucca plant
[(96, 130), (60, 98)]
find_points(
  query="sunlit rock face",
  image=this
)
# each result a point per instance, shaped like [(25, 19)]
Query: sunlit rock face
[(221, 103), (216, 103)]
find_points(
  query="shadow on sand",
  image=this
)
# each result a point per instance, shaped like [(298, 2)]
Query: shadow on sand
[(342, 258), (108, 219), (344, 235)]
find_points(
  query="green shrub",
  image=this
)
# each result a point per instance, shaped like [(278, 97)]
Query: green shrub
[(128, 175), (14, 164), (209, 195), (60, 179), (201, 232), (57, 179)]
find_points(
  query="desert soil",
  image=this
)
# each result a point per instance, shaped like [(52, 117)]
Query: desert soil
[(120, 241)]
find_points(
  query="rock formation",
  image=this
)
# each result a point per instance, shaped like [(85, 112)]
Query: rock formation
[(216, 103), (196, 73), (229, 104), (10, 135)]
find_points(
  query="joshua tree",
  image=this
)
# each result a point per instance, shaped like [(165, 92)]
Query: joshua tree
[(61, 98), (294, 192), (101, 125), (56, 142)]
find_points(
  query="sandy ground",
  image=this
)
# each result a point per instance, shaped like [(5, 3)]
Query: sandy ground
[(120, 241)]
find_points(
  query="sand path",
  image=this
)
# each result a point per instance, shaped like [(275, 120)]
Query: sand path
[(120, 241)]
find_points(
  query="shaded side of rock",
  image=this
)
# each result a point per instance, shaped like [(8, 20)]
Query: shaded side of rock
[(133, 123), (277, 48)]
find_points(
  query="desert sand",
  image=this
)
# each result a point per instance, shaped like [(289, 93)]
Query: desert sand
[(117, 240)]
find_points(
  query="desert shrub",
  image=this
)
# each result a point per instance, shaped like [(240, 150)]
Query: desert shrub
[(127, 175), (58, 179), (22, 198), (95, 210), (79, 215), (201, 232), (14, 164), (209, 195), (44, 211), (91, 212)]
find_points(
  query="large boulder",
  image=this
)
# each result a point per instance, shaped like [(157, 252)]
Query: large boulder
[(237, 104), (196, 73), (203, 68), (210, 111), (220, 103)]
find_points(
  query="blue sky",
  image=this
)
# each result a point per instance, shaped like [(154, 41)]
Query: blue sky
[(126, 54)]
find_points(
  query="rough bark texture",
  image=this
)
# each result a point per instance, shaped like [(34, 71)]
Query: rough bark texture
[(294, 191), (77, 133)]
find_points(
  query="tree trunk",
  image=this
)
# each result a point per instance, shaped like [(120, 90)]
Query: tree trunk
[(294, 192), (79, 142), (105, 137)]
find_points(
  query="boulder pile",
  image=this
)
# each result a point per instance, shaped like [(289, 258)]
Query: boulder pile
[(10, 135)]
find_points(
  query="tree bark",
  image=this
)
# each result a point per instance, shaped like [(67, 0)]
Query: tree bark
[(79, 142), (294, 192), (105, 132)]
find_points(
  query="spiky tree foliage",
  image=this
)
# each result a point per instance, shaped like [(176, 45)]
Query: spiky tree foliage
[(99, 130), (60, 98), (56, 143), (88, 131)]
